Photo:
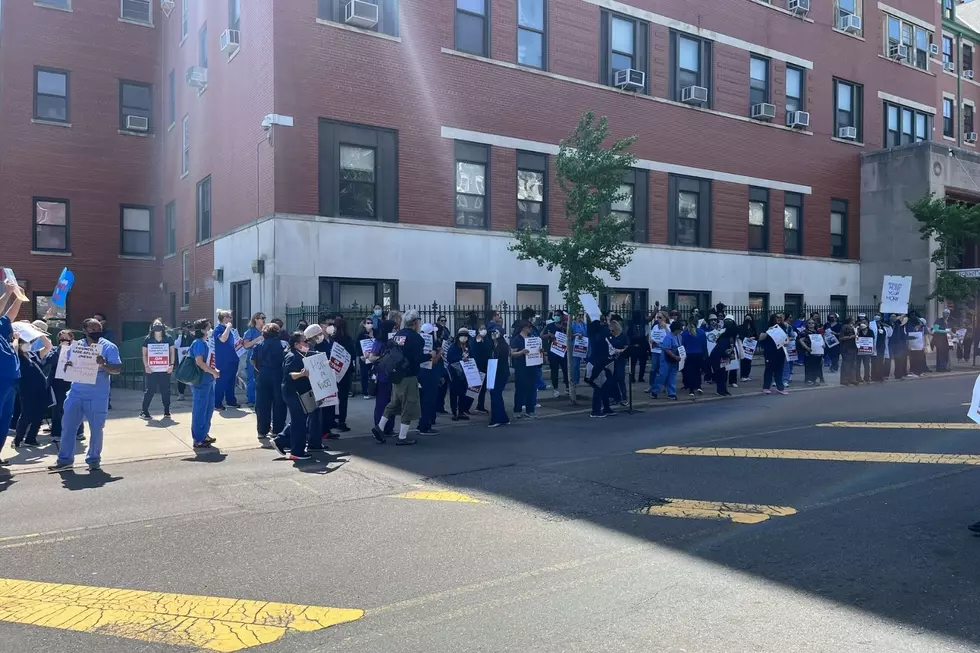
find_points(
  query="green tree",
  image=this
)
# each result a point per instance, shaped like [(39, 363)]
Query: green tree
[(597, 244), (951, 226)]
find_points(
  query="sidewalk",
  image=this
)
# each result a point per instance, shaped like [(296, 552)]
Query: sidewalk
[(129, 438)]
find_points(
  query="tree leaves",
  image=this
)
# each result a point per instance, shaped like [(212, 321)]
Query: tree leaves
[(951, 226)]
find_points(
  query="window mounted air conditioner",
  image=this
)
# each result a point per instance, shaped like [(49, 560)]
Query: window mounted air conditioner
[(970, 137), (230, 40), (849, 133), (764, 111), (361, 13), (949, 67), (934, 49), (849, 23), (898, 51), (167, 7), (137, 123), (629, 79), (797, 119), (197, 76), (968, 74), (694, 94), (799, 7)]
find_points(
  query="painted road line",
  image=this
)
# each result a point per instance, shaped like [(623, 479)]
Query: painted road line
[(739, 513), (206, 622), (809, 454), (35, 542), (437, 495), (948, 426)]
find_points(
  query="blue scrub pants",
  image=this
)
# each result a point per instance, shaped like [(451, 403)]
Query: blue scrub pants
[(202, 408), (525, 390), (498, 411), (539, 376), (298, 426), (654, 369), (666, 376), (429, 396), (8, 390), (270, 409), (249, 380), (224, 385), (77, 409)]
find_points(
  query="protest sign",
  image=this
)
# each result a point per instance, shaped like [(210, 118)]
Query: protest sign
[(748, 347), (778, 336), (866, 346), (8, 276), (210, 344), (158, 356), (791, 352), (580, 348), (238, 342), (712, 339), (590, 305), (339, 359), (974, 412), (830, 339), (427, 339), (491, 373), (472, 373), (816, 344), (79, 363), (682, 352), (26, 331), (534, 356), (560, 346), (322, 379), (473, 392), (895, 294), (916, 341), (65, 282)]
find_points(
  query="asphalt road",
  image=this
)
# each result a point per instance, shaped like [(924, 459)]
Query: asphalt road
[(559, 553)]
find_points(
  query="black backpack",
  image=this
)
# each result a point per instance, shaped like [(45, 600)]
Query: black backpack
[(393, 365)]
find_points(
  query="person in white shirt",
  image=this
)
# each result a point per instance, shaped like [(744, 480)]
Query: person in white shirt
[(658, 330)]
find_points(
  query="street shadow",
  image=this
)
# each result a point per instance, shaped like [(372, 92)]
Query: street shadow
[(235, 413), (323, 462), (6, 479), (82, 480), (212, 455)]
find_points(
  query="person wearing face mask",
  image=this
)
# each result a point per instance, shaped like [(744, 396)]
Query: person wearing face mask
[(500, 352), (157, 381), (833, 326), (252, 337), (60, 387), (695, 342), (864, 359), (35, 391), (558, 364), (383, 387), (879, 363), (480, 350), (226, 360), (898, 345), (296, 382), (366, 333), (848, 352), (578, 332), (811, 362), (775, 358), (267, 359), (336, 336), (724, 351), (747, 330), (658, 330), (916, 330), (940, 341), (459, 403), (375, 318), (89, 402), (430, 373), (404, 365), (525, 386)]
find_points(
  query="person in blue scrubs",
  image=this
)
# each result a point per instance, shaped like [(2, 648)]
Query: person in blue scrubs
[(202, 394), (35, 391), (669, 362), (226, 360), (9, 360), (267, 357), (89, 402), (251, 338)]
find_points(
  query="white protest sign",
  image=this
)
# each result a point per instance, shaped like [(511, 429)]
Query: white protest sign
[(580, 348), (749, 346), (778, 335), (560, 346), (368, 344), (322, 379), (916, 341), (238, 342), (895, 294), (791, 352), (974, 412), (712, 339), (8, 275), (682, 352), (158, 356), (427, 338), (590, 305), (26, 331), (491, 373), (866, 346), (830, 338), (533, 346), (210, 343), (339, 360), (657, 335), (472, 373), (79, 363), (816, 344)]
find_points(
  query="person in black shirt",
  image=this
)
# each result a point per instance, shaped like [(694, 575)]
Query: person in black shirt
[(500, 353), (405, 391), (295, 382), (336, 416), (157, 381), (525, 378), (267, 359)]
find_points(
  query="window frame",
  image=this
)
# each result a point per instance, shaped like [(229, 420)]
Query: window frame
[(763, 317), (342, 182), (641, 54), (185, 11), (149, 13), (62, 322), (331, 286), (185, 279), (949, 120), (151, 122), (123, 230), (199, 212), (703, 189), (639, 300), (543, 32), (705, 67), (856, 111), (948, 54), (969, 125), (470, 153), (703, 302), (484, 17), (767, 82), (172, 100), (793, 200), (67, 97), (388, 17), (185, 146), (331, 136), (890, 136), (838, 304), (840, 13), (473, 285), (759, 195), (912, 30), (202, 46), (34, 246), (794, 300), (964, 49), (235, 14), (525, 287), (801, 100), (839, 206), (536, 163), (170, 227)]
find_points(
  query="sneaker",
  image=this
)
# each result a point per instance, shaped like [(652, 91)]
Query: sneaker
[(331, 436), (301, 456), (144, 415), (210, 440), (767, 391), (537, 405), (263, 436), (343, 428), (745, 379), (278, 447), (518, 415), (555, 394), (59, 467), (672, 397), (378, 435), (600, 416), (405, 442), (724, 394), (653, 395), (530, 416), (482, 411), (912, 376), (167, 415), (489, 426), (94, 467), (202, 445), (782, 392), (699, 391), (366, 397), (428, 432), (463, 417), (734, 385), (691, 395)]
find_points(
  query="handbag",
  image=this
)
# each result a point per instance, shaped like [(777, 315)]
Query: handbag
[(188, 372), (307, 401)]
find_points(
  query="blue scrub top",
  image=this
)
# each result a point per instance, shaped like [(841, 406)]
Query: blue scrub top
[(224, 352), (251, 334), (98, 391), (9, 360), (200, 348)]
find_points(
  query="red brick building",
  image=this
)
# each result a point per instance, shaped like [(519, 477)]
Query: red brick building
[(412, 137)]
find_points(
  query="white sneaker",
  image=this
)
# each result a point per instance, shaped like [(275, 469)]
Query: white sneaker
[(556, 394), (912, 376), (537, 405), (734, 385)]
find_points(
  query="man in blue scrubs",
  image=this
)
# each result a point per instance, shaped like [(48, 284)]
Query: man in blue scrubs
[(9, 360), (89, 402)]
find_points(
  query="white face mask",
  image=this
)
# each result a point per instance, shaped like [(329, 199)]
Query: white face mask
[(483, 332), (331, 330)]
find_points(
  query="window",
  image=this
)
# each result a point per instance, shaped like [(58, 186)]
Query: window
[(792, 305), (949, 120), (472, 161), (758, 220), (624, 301), (916, 38), (686, 301), (792, 224), (848, 102), (204, 209), (967, 118), (202, 46), (532, 296), (472, 27), (60, 4), (838, 228), (140, 11), (531, 39), (691, 65), (532, 206), (172, 99), (57, 321), (622, 208), (948, 50), (623, 45), (838, 304), (51, 94), (333, 10), (759, 307), (849, 8), (348, 293), (904, 126), (170, 225), (136, 101), (234, 14), (185, 147), (795, 89), (690, 211), (241, 304), (758, 80), (136, 224), (184, 10), (185, 275), (632, 203), (358, 171), (50, 224), (948, 9), (472, 294), (967, 54)]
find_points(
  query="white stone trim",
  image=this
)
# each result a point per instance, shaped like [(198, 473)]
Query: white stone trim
[(949, 96), (511, 143), (909, 18), (909, 104), (650, 17), (969, 102)]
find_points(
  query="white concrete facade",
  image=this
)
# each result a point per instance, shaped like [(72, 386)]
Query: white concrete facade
[(427, 262)]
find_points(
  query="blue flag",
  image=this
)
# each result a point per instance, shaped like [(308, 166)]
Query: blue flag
[(65, 282)]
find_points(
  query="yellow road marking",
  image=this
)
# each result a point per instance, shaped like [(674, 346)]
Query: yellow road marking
[(740, 513), (438, 495), (206, 622), (952, 426), (809, 454)]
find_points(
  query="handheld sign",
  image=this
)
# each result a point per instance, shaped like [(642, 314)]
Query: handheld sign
[(816, 344), (866, 346), (79, 363), (974, 412), (339, 359), (791, 352), (158, 356), (590, 305), (580, 348), (916, 341), (472, 373), (368, 344), (26, 331), (239, 343), (323, 381), (895, 294), (491, 373), (533, 346), (560, 346), (8, 275), (830, 338), (60, 295), (778, 336), (748, 348)]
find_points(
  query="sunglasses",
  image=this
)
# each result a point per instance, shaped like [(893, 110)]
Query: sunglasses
[(442, 321)]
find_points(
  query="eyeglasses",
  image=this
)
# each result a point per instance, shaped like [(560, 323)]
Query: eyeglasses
[(442, 321)]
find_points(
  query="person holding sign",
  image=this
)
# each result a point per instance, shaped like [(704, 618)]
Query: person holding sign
[(670, 360), (525, 377), (772, 342), (89, 402), (916, 331), (159, 356), (865, 349), (898, 346), (658, 331), (940, 341), (748, 332), (555, 334), (811, 360), (459, 352), (59, 386), (9, 360), (848, 353), (35, 390), (498, 373), (365, 343), (295, 386), (342, 353)]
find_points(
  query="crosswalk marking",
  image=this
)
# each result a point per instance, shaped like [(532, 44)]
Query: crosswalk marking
[(739, 513), (948, 426), (810, 454), (438, 495)]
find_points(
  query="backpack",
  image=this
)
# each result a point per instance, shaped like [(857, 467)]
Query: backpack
[(188, 372), (393, 365)]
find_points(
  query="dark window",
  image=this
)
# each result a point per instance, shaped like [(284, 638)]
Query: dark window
[(758, 219), (793, 224), (51, 224), (358, 171), (204, 209), (170, 225), (471, 178), (632, 205), (623, 45), (967, 118), (908, 129), (949, 120), (686, 301), (51, 94), (136, 230), (758, 80), (838, 304), (185, 275), (202, 46), (690, 65), (967, 53), (348, 293), (838, 228), (847, 103), (532, 190), (759, 307), (948, 50), (172, 98), (792, 305), (58, 320), (333, 10), (135, 106), (689, 206), (921, 126), (532, 40), (473, 27), (140, 11), (795, 89), (241, 304), (234, 15)]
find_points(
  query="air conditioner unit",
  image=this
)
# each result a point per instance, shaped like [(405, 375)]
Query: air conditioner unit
[(197, 76), (934, 49), (849, 23), (230, 40), (949, 67), (137, 123), (167, 7), (850, 133), (258, 266), (970, 137), (218, 275), (629, 79), (898, 51), (694, 94), (797, 119), (361, 13), (968, 74), (799, 7), (764, 111)]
